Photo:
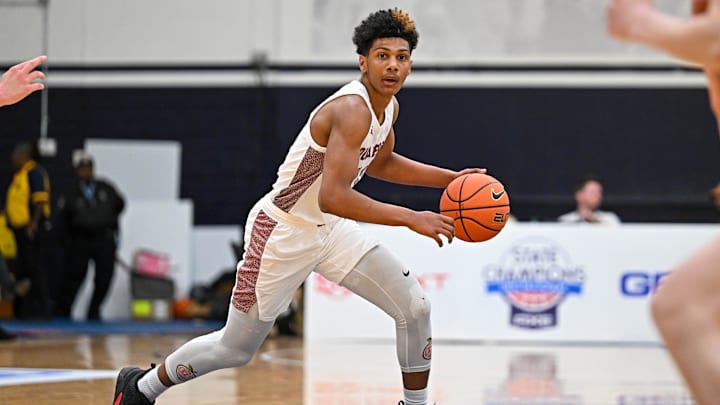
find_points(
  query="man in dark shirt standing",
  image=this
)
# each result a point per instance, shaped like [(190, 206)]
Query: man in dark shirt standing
[(88, 214)]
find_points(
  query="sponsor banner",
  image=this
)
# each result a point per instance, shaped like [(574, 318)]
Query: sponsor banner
[(534, 281)]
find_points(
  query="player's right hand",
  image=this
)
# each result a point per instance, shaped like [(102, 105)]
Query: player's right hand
[(433, 225), (21, 80)]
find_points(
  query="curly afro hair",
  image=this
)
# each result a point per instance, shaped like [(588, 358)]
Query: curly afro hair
[(390, 23)]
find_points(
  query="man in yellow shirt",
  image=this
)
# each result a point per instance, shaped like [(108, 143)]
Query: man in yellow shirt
[(28, 211)]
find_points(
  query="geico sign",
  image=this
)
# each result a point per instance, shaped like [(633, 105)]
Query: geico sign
[(640, 283)]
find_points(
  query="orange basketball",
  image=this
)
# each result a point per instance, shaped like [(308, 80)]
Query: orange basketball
[(478, 203)]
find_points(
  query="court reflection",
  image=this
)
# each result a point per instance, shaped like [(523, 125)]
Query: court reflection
[(532, 378)]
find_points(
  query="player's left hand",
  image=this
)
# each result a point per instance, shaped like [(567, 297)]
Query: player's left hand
[(470, 171)]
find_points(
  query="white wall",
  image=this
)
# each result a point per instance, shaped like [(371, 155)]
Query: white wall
[(315, 31), (130, 31), (211, 251), (144, 170)]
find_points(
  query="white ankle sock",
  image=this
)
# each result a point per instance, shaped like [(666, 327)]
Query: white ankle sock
[(416, 397), (150, 385)]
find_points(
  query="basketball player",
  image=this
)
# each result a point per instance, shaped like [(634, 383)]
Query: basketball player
[(307, 223), (686, 307), (21, 80)]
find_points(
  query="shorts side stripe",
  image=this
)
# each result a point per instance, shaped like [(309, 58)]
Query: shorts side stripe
[(244, 296)]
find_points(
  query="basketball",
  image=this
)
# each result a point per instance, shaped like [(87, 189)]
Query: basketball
[(478, 203)]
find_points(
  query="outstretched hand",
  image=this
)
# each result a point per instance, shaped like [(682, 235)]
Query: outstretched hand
[(21, 80)]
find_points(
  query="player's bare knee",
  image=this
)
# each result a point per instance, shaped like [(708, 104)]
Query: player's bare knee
[(661, 309), (686, 286), (665, 303), (679, 300)]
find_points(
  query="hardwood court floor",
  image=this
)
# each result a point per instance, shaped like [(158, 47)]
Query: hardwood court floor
[(289, 372)]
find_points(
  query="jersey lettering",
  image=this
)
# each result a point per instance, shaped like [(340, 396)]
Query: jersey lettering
[(371, 151)]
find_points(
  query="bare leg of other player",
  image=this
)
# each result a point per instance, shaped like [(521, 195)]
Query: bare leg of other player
[(686, 309)]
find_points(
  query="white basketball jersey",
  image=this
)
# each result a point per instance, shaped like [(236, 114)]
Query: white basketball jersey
[(296, 189)]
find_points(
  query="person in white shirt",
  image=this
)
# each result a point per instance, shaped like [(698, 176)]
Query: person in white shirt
[(588, 197)]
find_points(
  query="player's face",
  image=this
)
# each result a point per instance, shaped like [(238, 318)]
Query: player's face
[(387, 65)]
